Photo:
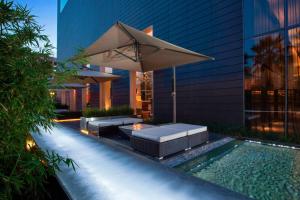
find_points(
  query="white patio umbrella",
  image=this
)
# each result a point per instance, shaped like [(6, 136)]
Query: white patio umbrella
[(69, 86), (124, 47), (90, 76)]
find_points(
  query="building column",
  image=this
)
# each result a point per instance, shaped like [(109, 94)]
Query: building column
[(63, 97), (83, 99), (72, 100), (132, 91), (104, 92), (104, 95)]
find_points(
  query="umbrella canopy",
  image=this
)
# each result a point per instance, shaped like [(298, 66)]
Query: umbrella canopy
[(89, 76), (124, 47), (69, 86)]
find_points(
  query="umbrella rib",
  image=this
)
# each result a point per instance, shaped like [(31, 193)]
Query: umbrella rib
[(94, 79), (126, 31), (138, 56), (100, 52), (115, 50), (179, 51)]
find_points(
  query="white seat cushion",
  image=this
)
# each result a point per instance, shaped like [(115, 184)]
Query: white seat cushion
[(159, 134), (105, 123), (131, 120), (190, 128)]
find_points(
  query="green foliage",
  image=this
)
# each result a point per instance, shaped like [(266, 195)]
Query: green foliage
[(68, 115), (25, 103), (61, 106), (113, 111)]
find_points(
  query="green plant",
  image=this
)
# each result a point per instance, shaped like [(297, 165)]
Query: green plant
[(61, 106), (68, 115), (25, 103), (113, 111)]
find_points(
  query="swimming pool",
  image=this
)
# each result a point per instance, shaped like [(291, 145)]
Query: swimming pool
[(259, 171)]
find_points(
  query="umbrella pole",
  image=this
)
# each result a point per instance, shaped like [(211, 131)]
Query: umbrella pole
[(174, 94)]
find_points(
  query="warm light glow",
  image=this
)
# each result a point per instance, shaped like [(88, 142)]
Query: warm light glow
[(66, 120), (281, 92), (52, 93), (276, 128), (30, 144), (270, 92), (149, 30), (137, 127), (107, 105), (87, 94), (84, 131), (256, 92)]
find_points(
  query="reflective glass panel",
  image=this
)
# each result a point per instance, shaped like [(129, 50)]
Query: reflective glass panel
[(264, 83), (261, 16), (293, 12), (294, 82), (63, 4)]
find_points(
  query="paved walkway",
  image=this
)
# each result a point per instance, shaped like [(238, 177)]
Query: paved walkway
[(112, 173)]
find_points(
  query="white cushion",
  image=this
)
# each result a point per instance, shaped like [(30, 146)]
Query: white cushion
[(105, 123), (137, 126), (130, 120), (190, 128), (159, 134)]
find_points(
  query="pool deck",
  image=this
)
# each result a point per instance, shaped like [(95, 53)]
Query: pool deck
[(215, 141), (107, 171), (193, 153)]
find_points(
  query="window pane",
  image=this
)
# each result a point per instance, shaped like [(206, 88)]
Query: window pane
[(262, 16), (294, 82), (63, 4), (264, 83), (293, 12)]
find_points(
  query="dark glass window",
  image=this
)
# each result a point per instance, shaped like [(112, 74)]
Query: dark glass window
[(262, 16), (268, 69), (63, 4), (293, 12), (264, 83), (294, 82)]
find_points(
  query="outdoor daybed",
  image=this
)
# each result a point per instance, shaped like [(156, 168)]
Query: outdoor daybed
[(98, 126), (168, 139), (196, 134)]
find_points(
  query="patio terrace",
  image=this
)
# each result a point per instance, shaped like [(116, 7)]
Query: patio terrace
[(109, 171)]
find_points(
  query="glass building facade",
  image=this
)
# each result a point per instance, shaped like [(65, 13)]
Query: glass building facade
[(272, 66)]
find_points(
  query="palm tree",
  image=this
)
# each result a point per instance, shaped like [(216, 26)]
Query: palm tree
[(268, 71)]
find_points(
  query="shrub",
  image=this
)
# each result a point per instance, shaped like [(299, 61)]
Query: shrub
[(68, 115), (61, 106), (25, 104), (113, 111)]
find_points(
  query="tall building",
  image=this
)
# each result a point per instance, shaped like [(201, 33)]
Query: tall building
[(254, 80)]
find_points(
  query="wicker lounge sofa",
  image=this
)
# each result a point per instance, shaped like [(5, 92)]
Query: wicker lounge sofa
[(98, 126), (84, 121), (196, 134), (168, 139), (159, 141)]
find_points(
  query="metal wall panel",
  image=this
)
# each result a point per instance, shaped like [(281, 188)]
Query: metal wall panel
[(207, 92)]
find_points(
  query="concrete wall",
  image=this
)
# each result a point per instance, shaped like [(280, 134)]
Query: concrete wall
[(206, 92)]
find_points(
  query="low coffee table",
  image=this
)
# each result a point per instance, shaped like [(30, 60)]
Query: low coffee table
[(134, 127)]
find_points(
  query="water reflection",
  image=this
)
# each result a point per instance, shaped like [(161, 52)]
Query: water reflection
[(294, 82), (264, 83), (263, 16)]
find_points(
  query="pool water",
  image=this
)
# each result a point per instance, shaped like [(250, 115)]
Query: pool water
[(256, 170)]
